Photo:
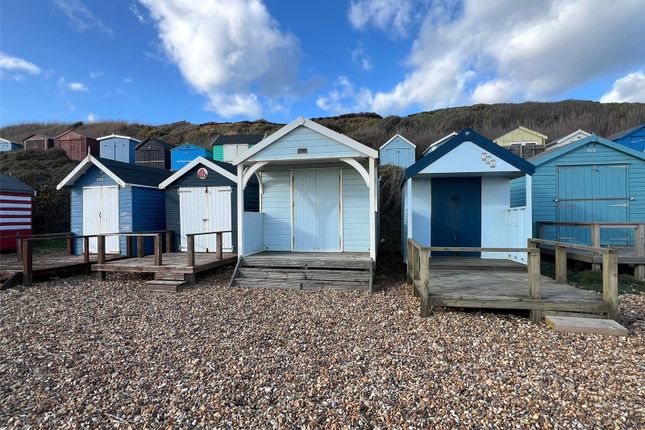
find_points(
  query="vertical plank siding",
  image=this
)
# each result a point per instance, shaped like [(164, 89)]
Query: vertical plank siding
[(118, 149), (356, 208), (148, 213), (398, 152), (276, 206)]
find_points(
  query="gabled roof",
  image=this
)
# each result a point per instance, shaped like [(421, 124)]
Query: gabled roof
[(469, 135), (8, 141), (118, 136), (236, 139), (300, 121), (37, 135), (11, 184), (70, 131), (625, 133), (557, 152), (440, 141), (521, 127), (124, 174), (394, 137), (568, 136), (189, 145), (165, 144), (225, 169)]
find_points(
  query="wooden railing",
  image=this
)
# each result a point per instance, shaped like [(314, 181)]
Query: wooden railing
[(219, 241), (140, 237)]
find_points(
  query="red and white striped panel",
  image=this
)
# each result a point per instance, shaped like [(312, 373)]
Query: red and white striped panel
[(15, 218)]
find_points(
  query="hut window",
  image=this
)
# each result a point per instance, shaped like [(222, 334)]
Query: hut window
[(302, 150)]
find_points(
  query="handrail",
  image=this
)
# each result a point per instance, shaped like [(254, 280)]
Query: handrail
[(219, 242), (602, 224), (208, 232), (597, 249)]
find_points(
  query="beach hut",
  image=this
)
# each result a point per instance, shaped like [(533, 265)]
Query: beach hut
[(39, 142), (153, 152), (202, 197), (459, 196), (569, 138), (397, 151), (633, 138), (15, 211), (109, 196), (226, 148), (76, 145), (184, 154), (118, 148), (590, 180), (9, 146), (434, 145), (522, 141), (318, 209)]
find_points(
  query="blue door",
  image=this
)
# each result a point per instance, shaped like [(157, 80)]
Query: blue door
[(456, 214), (316, 210)]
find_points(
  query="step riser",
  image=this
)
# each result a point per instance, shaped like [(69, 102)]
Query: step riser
[(313, 275), (301, 285), (165, 286), (169, 276)]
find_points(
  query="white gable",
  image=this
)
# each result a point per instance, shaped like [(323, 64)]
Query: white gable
[(469, 158)]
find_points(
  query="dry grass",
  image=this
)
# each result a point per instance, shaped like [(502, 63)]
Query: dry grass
[(79, 353)]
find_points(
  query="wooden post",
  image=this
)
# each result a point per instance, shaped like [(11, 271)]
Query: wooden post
[(86, 254), (70, 244), (190, 244), (128, 246), (560, 264), (639, 249), (100, 258), (140, 246), (169, 241), (595, 241), (219, 245), (415, 270), (27, 263), (408, 264), (158, 250), (535, 289), (610, 281), (19, 248), (424, 280)]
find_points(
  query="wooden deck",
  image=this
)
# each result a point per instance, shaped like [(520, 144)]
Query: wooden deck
[(173, 262), (502, 284)]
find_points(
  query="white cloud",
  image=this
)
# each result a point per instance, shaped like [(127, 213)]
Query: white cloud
[(15, 64), (96, 74), (392, 16), (233, 52), (136, 12), (92, 117), (72, 86), (360, 57), (344, 98), (630, 88), (504, 50), (128, 80), (80, 16)]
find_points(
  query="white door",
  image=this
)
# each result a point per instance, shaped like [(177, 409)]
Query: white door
[(316, 210), (205, 209), (101, 215)]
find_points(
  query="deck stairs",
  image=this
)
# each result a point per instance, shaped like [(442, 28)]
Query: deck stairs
[(302, 271), (167, 282)]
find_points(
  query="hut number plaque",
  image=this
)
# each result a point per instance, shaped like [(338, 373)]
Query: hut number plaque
[(202, 173)]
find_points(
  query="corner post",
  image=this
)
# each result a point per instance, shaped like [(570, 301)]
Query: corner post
[(595, 241), (424, 280), (86, 254), (27, 263), (610, 281), (169, 241), (140, 246), (535, 289), (219, 239), (372, 203), (190, 244), (240, 209), (560, 264), (639, 249), (100, 257), (158, 250), (69, 244)]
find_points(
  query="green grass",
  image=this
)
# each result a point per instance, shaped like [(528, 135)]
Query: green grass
[(592, 280)]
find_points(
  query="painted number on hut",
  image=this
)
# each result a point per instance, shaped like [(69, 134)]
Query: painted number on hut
[(202, 173)]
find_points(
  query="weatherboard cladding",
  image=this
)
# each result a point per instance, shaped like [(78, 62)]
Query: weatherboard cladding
[(118, 148), (397, 152), (214, 179), (292, 146), (38, 142), (76, 145), (184, 154), (153, 152), (633, 138)]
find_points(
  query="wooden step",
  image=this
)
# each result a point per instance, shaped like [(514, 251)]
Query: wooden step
[(165, 286), (310, 274), (586, 325), (309, 262), (170, 276)]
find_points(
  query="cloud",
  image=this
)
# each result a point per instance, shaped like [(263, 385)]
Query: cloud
[(97, 74), (232, 52), (360, 57), (392, 16), (630, 88), (136, 12), (72, 86), (80, 16), (344, 98), (92, 118), (504, 50), (19, 65), (127, 80)]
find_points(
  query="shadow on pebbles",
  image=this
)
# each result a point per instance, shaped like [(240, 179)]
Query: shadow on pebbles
[(76, 352)]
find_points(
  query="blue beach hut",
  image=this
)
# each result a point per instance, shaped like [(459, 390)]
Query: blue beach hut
[(184, 154)]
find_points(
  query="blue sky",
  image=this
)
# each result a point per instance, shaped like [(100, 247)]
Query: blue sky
[(160, 61)]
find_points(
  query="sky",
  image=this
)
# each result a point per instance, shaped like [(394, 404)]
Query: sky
[(161, 61)]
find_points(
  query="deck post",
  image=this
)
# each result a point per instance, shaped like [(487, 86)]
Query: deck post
[(27, 263), (408, 259), (610, 281), (424, 280), (86, 254), (169, 241), (128, 246), (240, 213), (19, 247), (100, 257), (535, 289), (158, 251), (595, 241), (415, 270), (639, 249), (190, 244), (140, 246), (219, 245), (69, 244), (560, 264)]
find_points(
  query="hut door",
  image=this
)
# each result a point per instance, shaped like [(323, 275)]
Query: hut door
[(316, 210), (456, 214), (205, 209), (101, 215)]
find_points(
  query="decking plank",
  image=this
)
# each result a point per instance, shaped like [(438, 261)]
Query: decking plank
[(585, 325)]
